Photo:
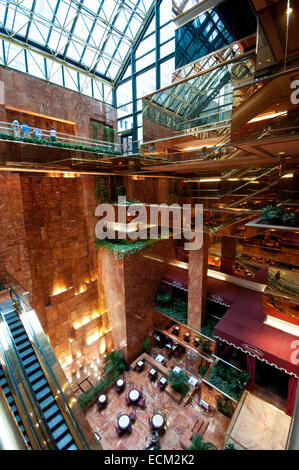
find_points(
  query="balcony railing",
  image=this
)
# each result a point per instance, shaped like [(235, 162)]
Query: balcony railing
[(10, 132)]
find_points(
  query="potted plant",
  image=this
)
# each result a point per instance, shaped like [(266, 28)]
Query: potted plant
[(197, 443), (163, 296), (179, 382), (205, 345), (278, 216), (146, 344), (229, 446), (225, 406)]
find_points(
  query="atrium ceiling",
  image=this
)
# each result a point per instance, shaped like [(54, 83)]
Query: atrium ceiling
[(95, 36)]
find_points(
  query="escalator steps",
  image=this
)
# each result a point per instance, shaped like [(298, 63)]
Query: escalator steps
[(7, 392), (40, 386)]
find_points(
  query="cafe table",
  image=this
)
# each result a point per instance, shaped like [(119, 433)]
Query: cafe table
[(160, 358), (134, 395), (102, 400), (153, 373), (193, 381), (124, 422), (157, 421)]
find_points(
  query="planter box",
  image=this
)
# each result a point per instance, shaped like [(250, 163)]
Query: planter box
[(283, 228), (177, 397), (93, 402)]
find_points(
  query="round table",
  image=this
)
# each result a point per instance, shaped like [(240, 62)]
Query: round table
[(134, 395), (102, 399), (157, 421), (120, 383), (124, 421)]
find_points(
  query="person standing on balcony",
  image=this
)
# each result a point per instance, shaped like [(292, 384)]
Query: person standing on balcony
[(38, 133), (26, 130), (52, 134), (16, 128)]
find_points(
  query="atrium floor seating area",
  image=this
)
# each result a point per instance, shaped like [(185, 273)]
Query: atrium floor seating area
[(178, 418)]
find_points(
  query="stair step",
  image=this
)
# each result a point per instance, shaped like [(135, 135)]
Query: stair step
[(43, 394), (65, 441), (16, 325), (36, 376), (31, 369), (55, 422), (6, 389), (71, 447), (60, 431), (44, 404), (21, 339), (29, 351), (29, 360), (24, 346), (38, 385), (51, 412)]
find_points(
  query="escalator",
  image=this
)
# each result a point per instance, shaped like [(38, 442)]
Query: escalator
[(9, 397), (43, 395)]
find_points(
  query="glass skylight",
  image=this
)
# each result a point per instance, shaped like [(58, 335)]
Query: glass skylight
[(93, 35)]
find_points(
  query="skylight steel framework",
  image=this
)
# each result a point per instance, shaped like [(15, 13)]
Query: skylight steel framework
[(150, 67), (93, 37)]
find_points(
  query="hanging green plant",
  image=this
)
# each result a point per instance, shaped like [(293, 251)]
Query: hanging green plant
[(101, 192)]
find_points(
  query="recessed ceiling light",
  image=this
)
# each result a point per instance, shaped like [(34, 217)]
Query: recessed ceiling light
[(281, 153), (288, 175), (267, 116)]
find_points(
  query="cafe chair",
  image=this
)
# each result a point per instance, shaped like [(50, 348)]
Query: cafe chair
[(128, 401), (118, 431), (141, 403), (132, 417)]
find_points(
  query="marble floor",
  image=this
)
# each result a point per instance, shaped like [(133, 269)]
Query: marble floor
[(260, 426), (179, 418)]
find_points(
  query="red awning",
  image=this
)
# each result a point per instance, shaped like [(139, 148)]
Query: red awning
[(177, 277), (242, 326)]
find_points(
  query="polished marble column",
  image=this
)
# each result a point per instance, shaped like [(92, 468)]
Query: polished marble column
[(228, 254), (197, 286)]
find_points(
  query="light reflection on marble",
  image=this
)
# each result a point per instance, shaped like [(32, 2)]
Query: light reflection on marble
[(261, 426)]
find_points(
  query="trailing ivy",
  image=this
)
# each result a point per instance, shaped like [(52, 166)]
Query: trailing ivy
[(208, 329), (48, 143), (122, 248)]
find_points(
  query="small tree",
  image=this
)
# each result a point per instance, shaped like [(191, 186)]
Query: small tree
[(197, 443), (179, 382), (115, 364), (101, 192)]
